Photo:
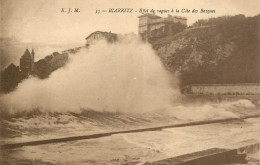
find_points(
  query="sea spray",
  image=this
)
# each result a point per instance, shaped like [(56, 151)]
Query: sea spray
[(122, 77)]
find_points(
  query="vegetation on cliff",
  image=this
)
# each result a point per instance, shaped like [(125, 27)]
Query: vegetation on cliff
[(217, 50), (168, 29)]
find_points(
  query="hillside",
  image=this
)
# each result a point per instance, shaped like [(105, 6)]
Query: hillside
[(218, 50)]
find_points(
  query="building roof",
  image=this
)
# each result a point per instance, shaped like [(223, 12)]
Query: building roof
[(149, 15), (26, 54), (33, 52), (11, 66), (107, 34)]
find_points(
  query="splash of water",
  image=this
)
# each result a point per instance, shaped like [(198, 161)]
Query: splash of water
[(122, 77)]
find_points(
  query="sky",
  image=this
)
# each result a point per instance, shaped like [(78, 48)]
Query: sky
[(42, 20)]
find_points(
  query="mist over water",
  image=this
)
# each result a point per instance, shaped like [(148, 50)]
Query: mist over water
[(122, 77)]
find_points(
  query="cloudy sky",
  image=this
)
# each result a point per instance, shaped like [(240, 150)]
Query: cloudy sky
[(43, 21)]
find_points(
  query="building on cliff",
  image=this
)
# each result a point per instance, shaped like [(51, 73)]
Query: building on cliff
[(99, 35), (27, 62), (149, 22)]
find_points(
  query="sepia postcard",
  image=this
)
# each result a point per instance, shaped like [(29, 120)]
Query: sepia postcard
[(129, 82)]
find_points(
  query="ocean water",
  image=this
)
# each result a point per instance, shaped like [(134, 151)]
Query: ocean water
[(137, 148), (37, 125)]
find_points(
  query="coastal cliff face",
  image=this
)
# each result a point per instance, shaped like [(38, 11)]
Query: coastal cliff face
[(219, 50)]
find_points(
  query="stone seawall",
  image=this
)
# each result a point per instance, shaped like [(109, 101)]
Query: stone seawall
[(216, 89), (202, 98)]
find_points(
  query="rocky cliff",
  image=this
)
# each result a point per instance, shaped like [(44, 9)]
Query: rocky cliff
[(218, 50)]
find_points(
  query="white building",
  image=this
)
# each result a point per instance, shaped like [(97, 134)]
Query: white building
[(99, 35), (150, 22)]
